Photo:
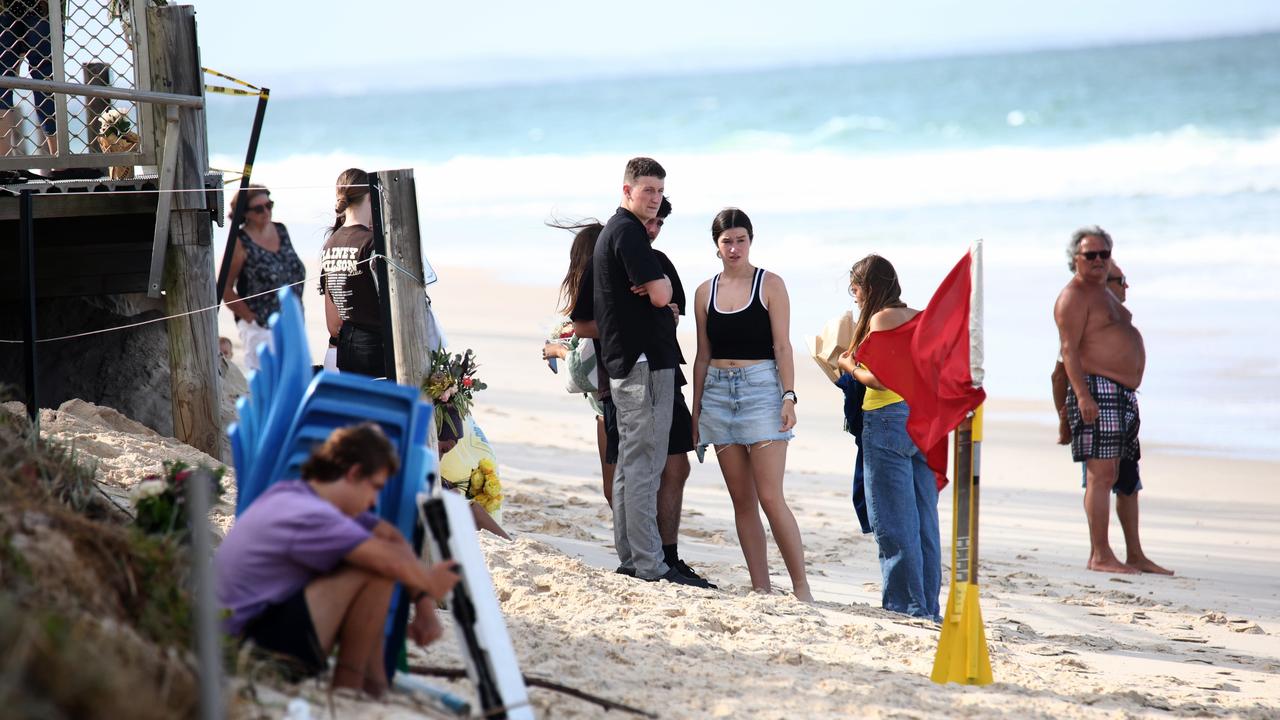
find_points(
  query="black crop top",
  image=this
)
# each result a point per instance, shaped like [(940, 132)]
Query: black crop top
[(743, 334)]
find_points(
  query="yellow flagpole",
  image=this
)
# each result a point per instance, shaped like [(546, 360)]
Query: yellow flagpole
[(962, 649)]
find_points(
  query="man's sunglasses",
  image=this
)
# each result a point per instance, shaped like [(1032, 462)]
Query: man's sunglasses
[(261, 208), (1095, 254), (1119, 280)]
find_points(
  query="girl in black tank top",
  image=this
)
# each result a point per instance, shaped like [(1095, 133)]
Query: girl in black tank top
[(743, 403), (741, 334)]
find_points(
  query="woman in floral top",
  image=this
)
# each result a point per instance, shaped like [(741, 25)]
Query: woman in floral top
[(263, 260)]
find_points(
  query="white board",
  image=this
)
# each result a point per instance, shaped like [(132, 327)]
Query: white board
[(480, 627)]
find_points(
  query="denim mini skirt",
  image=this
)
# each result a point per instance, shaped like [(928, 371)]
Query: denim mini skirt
[(741, 406)]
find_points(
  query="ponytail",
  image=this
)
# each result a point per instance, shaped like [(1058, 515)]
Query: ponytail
[(352, 187)]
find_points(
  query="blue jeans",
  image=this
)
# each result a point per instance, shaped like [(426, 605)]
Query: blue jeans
[(860, 490), (902, 502)]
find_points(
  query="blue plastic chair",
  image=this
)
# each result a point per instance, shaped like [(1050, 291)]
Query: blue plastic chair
[(290, 411)]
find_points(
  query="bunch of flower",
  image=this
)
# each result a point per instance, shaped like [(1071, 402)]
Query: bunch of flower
[(561, 331), (484, 487), (160, 501), (451, 383)]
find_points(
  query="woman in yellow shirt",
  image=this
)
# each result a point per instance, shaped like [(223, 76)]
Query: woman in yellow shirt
[(902, 497)]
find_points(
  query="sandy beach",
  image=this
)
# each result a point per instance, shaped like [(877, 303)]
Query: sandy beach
[(1064, 642)]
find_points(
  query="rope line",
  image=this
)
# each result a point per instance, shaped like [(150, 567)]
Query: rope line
[(218, 306)]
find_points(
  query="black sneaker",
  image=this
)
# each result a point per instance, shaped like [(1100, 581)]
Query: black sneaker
[(688, 572), (675, 576), (629, 572)]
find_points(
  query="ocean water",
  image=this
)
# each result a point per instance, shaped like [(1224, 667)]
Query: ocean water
[(1174, 148)]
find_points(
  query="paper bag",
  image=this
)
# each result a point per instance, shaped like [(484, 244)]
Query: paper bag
[(825, 348)]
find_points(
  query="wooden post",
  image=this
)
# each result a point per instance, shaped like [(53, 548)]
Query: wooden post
[(175, 68), (404, 285), (188, 273), (95, 73)]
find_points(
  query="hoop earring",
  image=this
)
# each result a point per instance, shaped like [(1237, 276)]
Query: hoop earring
[(719, 256)]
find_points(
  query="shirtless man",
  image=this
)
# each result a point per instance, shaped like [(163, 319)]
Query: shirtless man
[(1104, 359)]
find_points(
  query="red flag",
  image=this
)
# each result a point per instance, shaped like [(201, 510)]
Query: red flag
[(926, 361)]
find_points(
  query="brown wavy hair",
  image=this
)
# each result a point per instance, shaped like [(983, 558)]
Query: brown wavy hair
[(586, 233), (880, 290), (249, 194), (362, 445)]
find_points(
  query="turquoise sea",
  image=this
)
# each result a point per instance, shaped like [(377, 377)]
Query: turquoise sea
[(1173, 147)]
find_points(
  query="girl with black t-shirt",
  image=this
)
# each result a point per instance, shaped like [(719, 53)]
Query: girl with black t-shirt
[(347, 280)]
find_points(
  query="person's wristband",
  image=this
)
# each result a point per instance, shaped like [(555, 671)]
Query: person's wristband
[(790, 395)]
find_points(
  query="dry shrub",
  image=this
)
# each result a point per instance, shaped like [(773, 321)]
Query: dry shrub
[(95, 618)]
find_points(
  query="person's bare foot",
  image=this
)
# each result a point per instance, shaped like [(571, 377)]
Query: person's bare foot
[(803, 595), (1144, 564), (375, 688), (1111, 566)]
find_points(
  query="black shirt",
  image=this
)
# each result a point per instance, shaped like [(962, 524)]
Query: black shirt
[(629, 324), (348, 280), (584, 311)]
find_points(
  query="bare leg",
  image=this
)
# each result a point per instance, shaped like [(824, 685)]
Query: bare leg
[(1127, 511), (485, 521), (736, 468), (671, 497), (350, 606), (768, 463), (606, 469), (1101, 477)]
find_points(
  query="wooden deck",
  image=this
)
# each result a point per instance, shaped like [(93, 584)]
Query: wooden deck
[(93, 237)]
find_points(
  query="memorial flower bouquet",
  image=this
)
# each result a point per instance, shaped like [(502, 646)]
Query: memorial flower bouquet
[(484, 487), (160, 501), (451, 383)]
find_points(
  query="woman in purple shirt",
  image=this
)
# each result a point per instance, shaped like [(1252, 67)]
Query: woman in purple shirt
[(307, 567)]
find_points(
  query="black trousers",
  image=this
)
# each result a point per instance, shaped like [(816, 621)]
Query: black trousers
[(360, 351)]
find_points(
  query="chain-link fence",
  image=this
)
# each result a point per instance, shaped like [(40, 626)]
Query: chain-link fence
[(89, 42)]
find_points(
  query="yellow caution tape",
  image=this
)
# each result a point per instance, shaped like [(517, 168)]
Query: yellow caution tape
[(237, 81), (231, 91)]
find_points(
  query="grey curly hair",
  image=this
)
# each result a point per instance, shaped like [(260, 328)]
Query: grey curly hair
[(1078, 237)]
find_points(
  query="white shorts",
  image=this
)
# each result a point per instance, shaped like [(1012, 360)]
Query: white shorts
[(251, 336)]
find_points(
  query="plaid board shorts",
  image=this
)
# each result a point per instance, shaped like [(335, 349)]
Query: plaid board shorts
[(1115, 433)]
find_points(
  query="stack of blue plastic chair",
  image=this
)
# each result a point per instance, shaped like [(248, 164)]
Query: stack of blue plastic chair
[(290, 411)]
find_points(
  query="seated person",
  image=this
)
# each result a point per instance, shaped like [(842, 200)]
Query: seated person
[(308, 567)]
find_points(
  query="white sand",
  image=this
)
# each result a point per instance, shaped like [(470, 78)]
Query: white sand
[(1065, 642)]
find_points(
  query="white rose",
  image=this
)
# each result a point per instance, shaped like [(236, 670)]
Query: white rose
[(148, 488)]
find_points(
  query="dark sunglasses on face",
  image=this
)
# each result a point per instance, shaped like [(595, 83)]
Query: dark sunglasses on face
[(1095, 254), (1119, 280), (261, 208)]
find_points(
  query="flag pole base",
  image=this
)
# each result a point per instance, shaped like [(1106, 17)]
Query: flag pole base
[(962, 650)]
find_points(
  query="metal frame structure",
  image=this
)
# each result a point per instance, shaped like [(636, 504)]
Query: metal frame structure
[(137, 89)]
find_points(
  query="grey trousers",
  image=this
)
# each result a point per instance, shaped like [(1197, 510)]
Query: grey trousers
[(644, 400)]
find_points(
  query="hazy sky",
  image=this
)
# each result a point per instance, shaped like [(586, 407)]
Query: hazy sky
[(415, 42)]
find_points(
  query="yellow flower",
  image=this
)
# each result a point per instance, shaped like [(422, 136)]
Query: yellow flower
[(492, 486), (487, 466)]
